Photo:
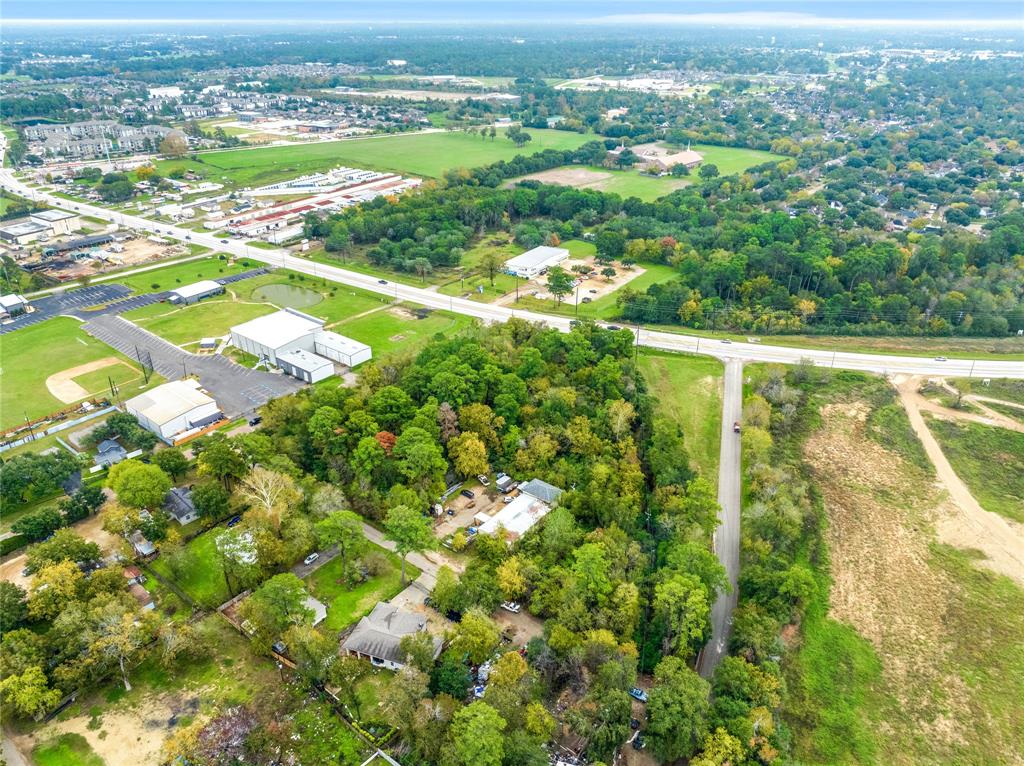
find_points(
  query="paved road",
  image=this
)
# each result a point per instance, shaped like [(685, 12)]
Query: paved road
[(237, 389), (727, 536), (748, 352)]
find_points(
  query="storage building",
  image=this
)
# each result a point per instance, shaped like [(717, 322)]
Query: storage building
[(195, 292), (341, 349), (267, 336), (536, 261), (13, 304), (59, 221), (24, 233), (305, 366), (174, 410)]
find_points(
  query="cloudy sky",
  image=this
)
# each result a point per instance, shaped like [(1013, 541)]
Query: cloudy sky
[(1008, 14)]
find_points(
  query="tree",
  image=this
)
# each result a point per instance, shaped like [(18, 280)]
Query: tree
[(312, 650), (85, 502), (176, 639), (608, 273), (511, 578), (174, 144), (450, 676), (491, 263), (559, 282), (468, 454), (120, 634), (53, 588), (477, 736), (418, 650), (172, 461), (682, 601), (13, 608), (445, 594), (139, 485), (719, 748), (410, 531), (343, 529), (540, 724), (708, 171), (65, 545), (270, 493), (626, 158), (408, 686), (29, 693), (476, 636), (222, 461), (677, 710), (38, 524), (274, 607), (210, 500)]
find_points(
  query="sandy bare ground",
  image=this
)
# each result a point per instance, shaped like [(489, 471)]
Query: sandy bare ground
[(990, 416), (965, 524), (883, 585), (62, 385), (124, 737)]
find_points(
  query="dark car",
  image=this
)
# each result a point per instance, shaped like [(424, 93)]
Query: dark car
[(614, 327), (639, 743), (255, 421), (234, 520), (382, 281), (467, 493)]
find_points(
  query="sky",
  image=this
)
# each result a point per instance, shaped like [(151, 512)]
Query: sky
[(951, 14)]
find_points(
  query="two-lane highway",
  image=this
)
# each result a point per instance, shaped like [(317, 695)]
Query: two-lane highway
[(747, 352), (727, 536)]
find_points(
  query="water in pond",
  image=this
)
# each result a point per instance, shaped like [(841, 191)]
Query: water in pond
[(281, 294)]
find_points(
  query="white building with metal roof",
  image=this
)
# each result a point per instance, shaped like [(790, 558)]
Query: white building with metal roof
[(536, 261), (267, 336), (341, 349), (305, 366), (195, 292), (174, 410)]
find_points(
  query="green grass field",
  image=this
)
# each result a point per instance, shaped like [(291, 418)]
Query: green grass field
[(396, 329), (203, 579), (731, 159), (31, 355), (179, 274), (998, 388), (209, 318), (989, 460), (98, 381), (689, 392), (420, 154), (66, 750), (345, 606)]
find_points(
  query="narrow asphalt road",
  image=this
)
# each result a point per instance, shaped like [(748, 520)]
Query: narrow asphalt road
[(727, 536)]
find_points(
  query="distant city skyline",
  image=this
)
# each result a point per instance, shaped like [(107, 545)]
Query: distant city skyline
[(951, 14)]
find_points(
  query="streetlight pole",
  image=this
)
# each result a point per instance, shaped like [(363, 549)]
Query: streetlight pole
[(577, 300)]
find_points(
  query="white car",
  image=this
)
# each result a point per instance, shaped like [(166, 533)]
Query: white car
[(310, 558), (512, 606), (484, 480)]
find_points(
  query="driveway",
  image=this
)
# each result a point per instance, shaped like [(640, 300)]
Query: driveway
[(727, 536), (237, 389)]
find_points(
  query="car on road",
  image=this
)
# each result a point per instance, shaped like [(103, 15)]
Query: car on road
[(941, 359), (506, 500), (311, 558), (382, 281), (614, 327), (255, 421), (736, 427), (638, 694), (512, 606), (468, 493), (484, 480), (726, 340), (234, 520), (634, 723), (639, 743), (585, 299)]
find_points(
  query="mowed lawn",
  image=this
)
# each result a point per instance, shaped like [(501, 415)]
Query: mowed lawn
[(732, 159), (689, 392), (214, 317), (203, 579), (66, 750), (396, 328), (418, 154), (345, 606), (989, 460), (178, 274), (32, 354)]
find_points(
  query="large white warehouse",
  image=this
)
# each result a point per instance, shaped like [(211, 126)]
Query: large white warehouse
[(174, 410), (536, 261), (276, 337)]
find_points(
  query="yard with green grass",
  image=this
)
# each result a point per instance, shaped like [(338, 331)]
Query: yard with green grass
[(32, 354), (989, 460), (344, 605), (210, 318), (419, 154), (397, 328), (203, 578), (688, 390), (66, 750), (178, 274)]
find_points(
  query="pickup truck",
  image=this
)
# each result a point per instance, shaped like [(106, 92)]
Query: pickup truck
[(736, 427)]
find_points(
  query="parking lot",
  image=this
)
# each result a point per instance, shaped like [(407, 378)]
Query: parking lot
[(465, 509), (73, 302), (237, 389)]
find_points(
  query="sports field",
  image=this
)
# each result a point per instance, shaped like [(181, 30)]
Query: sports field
[(31, 356), (419, 154), (397, 327)]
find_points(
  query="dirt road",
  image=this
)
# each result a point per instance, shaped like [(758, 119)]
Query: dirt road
[(969, 525)]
